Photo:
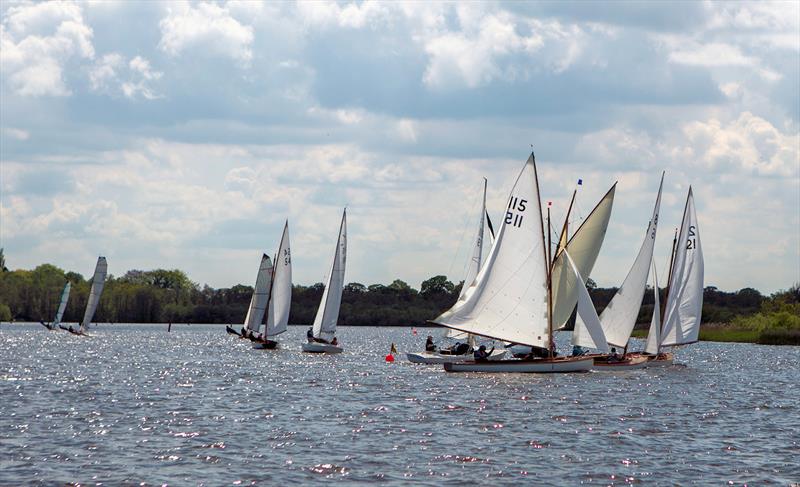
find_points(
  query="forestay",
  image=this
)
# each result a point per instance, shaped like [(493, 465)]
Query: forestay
[(474, 264), (98, 281), (63, 304), (328, 311), (685, 299), (651, 346), (258, 302), (620, 315), (281, 299), (508, 299), (584, 247), (588, 332)]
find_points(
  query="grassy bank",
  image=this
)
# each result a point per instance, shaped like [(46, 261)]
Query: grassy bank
[(776, 328)]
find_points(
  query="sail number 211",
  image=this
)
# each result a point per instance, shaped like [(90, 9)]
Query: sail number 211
[(515, 205)]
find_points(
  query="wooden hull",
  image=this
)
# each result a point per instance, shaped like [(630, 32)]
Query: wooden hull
[(536, 366), (662, 360), (435, 358), (266, 345), (630, 363), (321, 348)]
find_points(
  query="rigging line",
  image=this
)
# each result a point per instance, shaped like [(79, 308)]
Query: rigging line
[(464, 226)]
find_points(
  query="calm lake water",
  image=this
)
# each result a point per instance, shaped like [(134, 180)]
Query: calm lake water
[(136, 404)]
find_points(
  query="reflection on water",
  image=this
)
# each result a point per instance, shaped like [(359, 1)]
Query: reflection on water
[(196, 406)]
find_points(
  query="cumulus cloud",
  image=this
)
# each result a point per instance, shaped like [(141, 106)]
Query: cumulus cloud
[(37, 40), (209, 26)]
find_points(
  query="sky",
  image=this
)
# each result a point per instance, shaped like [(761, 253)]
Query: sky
[(183, 134)]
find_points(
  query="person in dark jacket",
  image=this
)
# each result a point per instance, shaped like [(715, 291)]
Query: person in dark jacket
[(481, 355), (429, 346), (310, 335)]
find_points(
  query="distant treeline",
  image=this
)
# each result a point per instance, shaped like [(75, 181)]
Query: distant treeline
[(161, 296)]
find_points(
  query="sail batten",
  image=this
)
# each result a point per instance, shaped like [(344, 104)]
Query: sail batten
[(258, 301), (281, 298), (619, 317), (685, 300), (324, 326), (98, 282), (508, 298)]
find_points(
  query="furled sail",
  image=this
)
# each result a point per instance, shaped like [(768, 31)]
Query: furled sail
[(620, 315), (98, 281), (281, 299), (328, 311), (63, 304), (685, 300), (584, 247), (258, 302), (474, 264), (508, 299), (588, 331), (651, 345)]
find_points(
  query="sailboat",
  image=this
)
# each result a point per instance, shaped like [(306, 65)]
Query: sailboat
[(280, 296), (322, 337), (473, 266), (53, 325), (98, 281), (684, 305), (619, 317), (258, 301), (511, 297)]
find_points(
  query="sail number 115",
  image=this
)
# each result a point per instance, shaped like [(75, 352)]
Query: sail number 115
[(516, 207)]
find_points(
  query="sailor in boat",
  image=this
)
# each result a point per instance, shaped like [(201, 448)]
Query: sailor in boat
[(615, 357), (429, 346), (334, 342), (481, 355), (578, 350)]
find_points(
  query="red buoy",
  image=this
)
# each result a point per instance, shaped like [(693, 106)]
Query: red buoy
[(390, 358)]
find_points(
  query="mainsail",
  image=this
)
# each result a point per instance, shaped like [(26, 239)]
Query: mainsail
[(588, 330), (651, 346), (584, 247), (258, 302), (98, 281), (620, 315), (281, 298), (474, 264), (328, 312), (63, 304), (509, 298), (685, 300)]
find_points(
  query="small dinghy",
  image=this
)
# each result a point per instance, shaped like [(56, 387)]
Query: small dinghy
[(96, 291), (438, 358), (61, 307), (538, 366), (321, 338)]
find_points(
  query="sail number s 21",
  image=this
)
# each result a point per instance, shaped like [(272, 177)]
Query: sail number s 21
[(516, 207), (691, 241)]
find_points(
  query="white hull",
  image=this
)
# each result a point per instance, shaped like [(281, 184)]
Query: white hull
[(321, 348), (636, 362), (435, 358), (539, 366)]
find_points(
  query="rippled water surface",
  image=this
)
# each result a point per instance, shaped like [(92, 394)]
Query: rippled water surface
[(136, 404)]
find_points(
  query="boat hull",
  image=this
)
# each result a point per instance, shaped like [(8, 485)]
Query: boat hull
[(661, 360), (321, 348), (49, 327), (435, 358), (267, 345), (535, 366), (630, 363)]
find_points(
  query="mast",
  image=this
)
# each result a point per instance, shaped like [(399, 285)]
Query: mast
[(562, 241), (548, 265), (272, 282), (669, 279)]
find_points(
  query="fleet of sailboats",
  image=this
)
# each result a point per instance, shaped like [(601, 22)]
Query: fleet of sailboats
[(520, 293)]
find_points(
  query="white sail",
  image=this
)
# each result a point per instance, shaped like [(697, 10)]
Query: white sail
[(651, 346), (258, 302), (508, 299), (584, 247), (474, 264), (685, 300), (98, 281), (328, 311), (281, 298), (588, 330), (620, 315), (63, 304)]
